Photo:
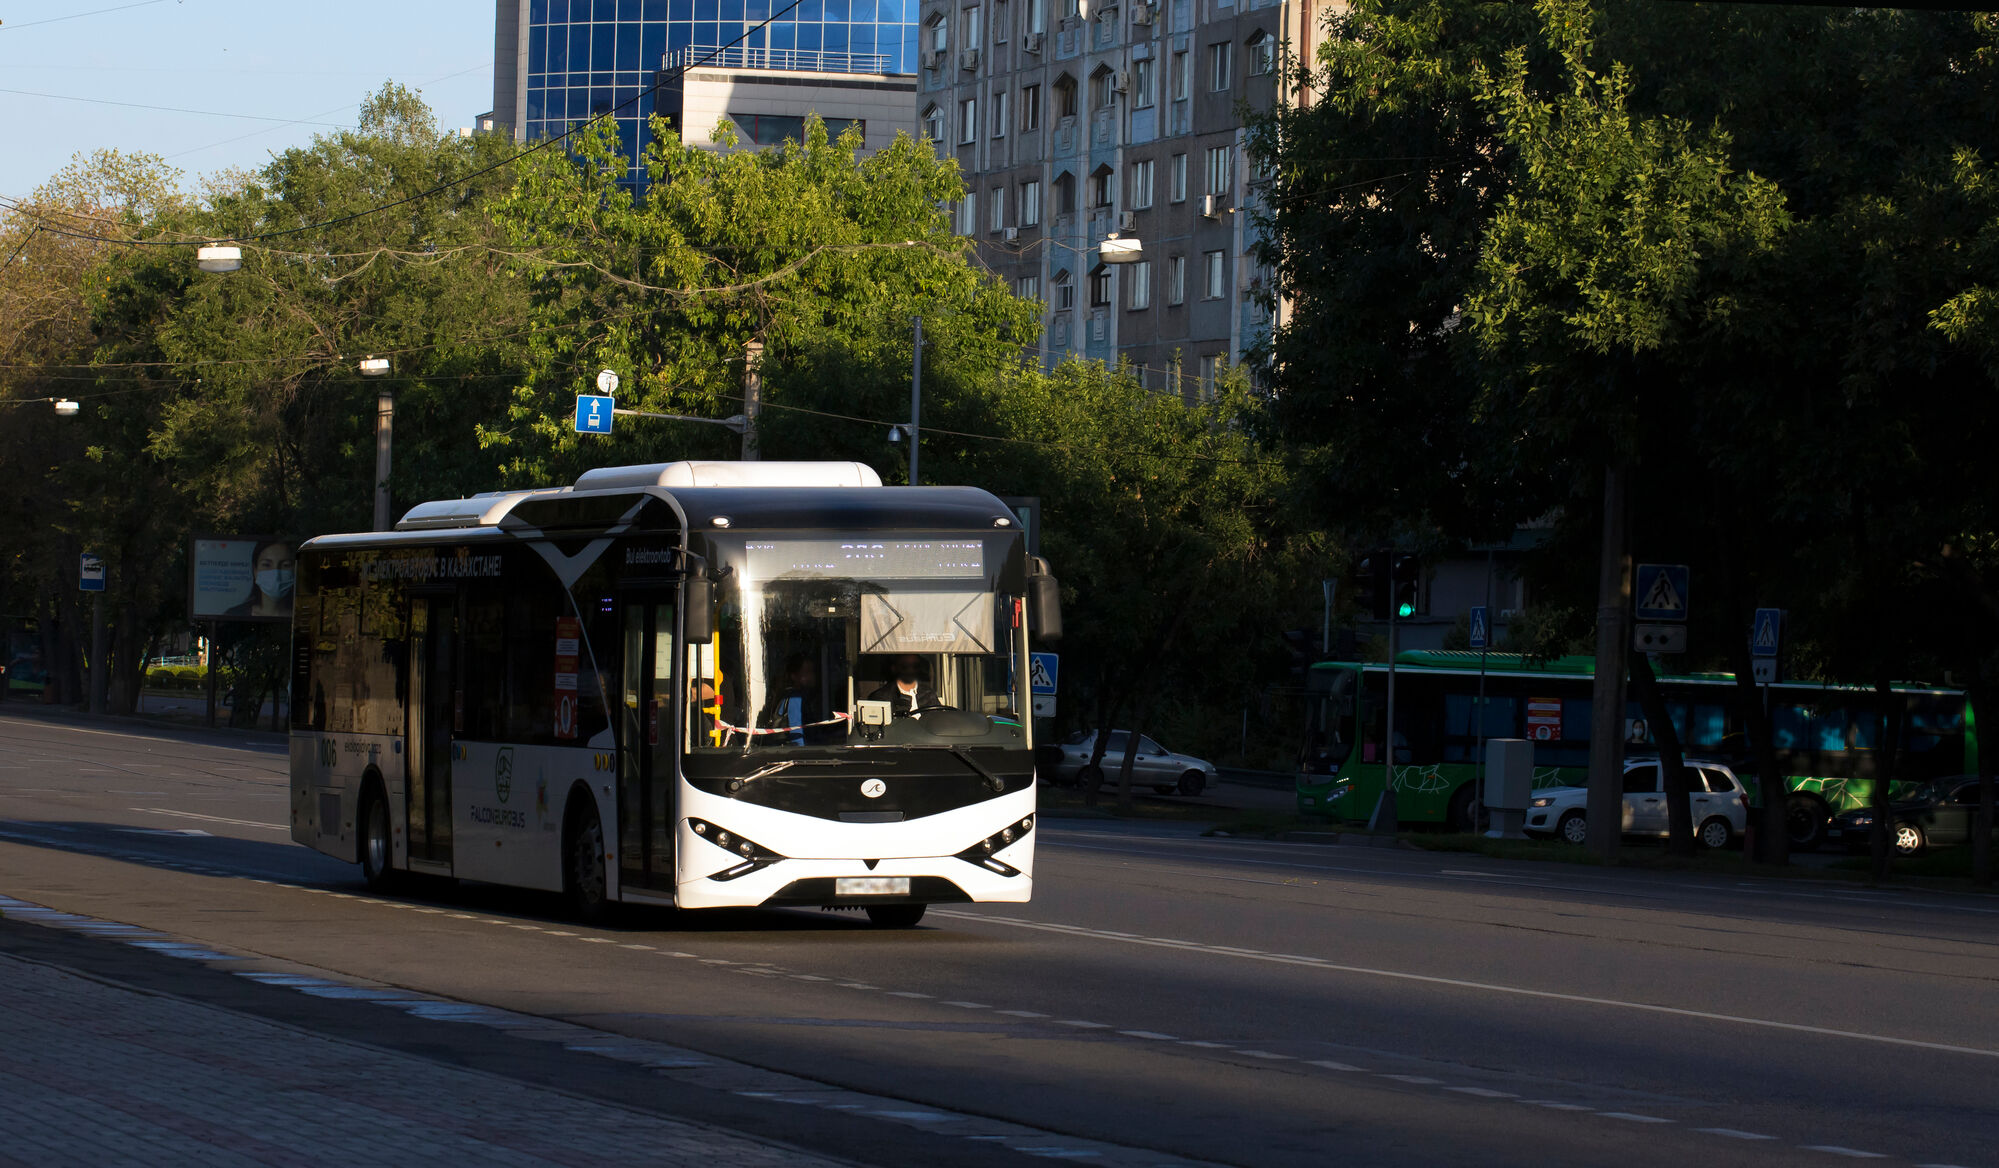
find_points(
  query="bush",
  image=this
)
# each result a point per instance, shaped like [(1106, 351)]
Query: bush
[(190, 677), (162, 679)]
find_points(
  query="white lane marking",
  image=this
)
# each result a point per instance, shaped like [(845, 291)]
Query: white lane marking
[(1333, 1066), (1264, 1054), (1481, 1092), (1849, 1153), (647, 948), (1634, 1118), (960, 1005), (906, 994), (1732, 1134), (1204, 1045), (1418, 1080), (1555, 1105), (210, 818), (1465, 984), (1151, 1034), (1018, 1013), (1085, 1025)]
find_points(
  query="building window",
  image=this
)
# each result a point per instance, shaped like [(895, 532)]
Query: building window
[(968, 120), (1100, 286), (1103, 88), (1221, 59), (1221, 170), (1103, 187), (1218, 273), (1065, 291), (1141, 286), (1065, 193), (1037, 15), (933, 124), (998, 197), (1179, 178), (1262, 53), (1065, 96), (1211, 374), (1183, 77), (1028, 287), (1141, 84), (999, 113), (1139, 193), (939, 34), (968, 214), (972, 15), (1071, 9), (1030, 108), (1001, 24), (1030, 203), (1176, 280)]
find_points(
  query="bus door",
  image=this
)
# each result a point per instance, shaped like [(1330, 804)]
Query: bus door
[(435, 712), (646, 729)]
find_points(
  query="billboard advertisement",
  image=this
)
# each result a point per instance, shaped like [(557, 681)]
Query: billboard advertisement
[(240, 578)]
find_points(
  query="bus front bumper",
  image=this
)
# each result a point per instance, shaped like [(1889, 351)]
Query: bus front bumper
[(816, 883)]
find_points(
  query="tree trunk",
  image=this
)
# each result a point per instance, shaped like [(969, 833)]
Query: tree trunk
[(1672, 762), (1605, 806), (1107, 712), (1138, 725), (1892, 707)]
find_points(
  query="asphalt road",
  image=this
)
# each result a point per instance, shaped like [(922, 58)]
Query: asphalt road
[(1233, 1002)]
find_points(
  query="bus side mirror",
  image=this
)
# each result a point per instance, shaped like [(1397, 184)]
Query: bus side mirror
[(698, 609), (1044, 602)]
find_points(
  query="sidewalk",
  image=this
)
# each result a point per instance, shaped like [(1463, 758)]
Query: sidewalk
[(99, 1074)]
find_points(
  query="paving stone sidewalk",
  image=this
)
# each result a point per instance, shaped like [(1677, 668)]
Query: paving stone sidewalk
[(100, 1075)]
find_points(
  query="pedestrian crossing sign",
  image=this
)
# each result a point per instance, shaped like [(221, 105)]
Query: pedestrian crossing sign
[(1480, 629), (1662, 592), (1042, 670), (1767, 633)]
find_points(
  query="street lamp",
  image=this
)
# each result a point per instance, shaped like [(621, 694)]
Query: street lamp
[(374, 366), (1114, 250), (385, 424), (219, 257), (66, 408)]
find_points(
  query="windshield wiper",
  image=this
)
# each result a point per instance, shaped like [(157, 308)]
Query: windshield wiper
[(962, 755)]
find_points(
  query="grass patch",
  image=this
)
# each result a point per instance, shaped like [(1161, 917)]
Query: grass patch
[(1271, 823)]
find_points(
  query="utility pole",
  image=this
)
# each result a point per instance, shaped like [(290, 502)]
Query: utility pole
[(385, 424), (100, 650), (916, 403), (1605, 804), (753, 355)]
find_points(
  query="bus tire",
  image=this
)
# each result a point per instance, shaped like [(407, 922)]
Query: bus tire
[(1462, 816), (895, 916), (584, 884), (1715, 834), (377, 839), (1574, 828), (1193, 783), (1805, 819)]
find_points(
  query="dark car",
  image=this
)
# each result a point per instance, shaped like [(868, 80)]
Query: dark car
[(1938, 814)]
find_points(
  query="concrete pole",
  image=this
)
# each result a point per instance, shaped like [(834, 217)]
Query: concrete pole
[(753, 355), (100, 651), (385, 424), (916, 403), (1605, 805)]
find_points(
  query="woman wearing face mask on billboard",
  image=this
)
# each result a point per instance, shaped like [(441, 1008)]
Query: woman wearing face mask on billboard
[(271, 589)]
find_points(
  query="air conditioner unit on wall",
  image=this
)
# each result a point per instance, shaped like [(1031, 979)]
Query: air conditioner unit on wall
[(1127, 221), (1211, 206), (1121, 81), (1031, 42), (934, 59), (968, 59), (1011, 234), (1141, 14)]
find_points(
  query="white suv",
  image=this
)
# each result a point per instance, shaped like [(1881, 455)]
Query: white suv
[(1720, 806)]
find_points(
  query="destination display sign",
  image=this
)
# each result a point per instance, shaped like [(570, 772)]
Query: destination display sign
[(866, 559)]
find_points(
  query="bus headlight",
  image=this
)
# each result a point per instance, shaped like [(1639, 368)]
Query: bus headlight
[(981, 853), (754, 855)]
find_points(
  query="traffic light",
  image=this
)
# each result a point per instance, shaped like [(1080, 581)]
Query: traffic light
[(1302, 646), (1408, 573), (1373, 584)]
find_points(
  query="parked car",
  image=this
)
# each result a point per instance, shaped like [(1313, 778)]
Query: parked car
[(1939, 813), (1720, 805), (1165, 771)]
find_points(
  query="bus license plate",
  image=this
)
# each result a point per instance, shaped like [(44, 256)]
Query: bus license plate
[(871, 886)]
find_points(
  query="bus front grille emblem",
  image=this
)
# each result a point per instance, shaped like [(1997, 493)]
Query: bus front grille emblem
[(874, 788)]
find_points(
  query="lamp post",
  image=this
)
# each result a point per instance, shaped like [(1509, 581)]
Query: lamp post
[(218, 257), (385, 424)]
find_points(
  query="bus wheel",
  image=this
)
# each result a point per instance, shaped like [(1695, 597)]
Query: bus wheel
[(1715, 834), (1574, 828), (583, 880), (1805, 820), (895, 916), (1462, 816), (377, 846)]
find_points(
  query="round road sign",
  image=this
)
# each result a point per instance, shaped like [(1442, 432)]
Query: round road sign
[(607, 383)]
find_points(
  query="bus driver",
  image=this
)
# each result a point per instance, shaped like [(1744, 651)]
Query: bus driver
[(909, 690)]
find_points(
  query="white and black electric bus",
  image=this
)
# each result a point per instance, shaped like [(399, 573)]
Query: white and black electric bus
[(696, 684)]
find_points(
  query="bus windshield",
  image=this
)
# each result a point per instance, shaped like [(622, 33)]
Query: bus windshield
[(858, 642)]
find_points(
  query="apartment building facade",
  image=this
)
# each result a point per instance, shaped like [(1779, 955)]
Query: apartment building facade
[(1075, 122)]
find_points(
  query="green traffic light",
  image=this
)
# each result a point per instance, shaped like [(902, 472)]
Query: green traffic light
[(1406, 610)]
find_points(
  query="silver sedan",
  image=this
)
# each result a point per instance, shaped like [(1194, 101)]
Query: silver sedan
[(1163, 770)]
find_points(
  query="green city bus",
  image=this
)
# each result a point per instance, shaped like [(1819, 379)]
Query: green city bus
[(1826, 737)]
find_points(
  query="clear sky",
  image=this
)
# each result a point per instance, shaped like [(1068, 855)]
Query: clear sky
[(309, 60)]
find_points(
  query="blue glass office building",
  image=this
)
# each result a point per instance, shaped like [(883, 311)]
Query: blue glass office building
[(585, 57)]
